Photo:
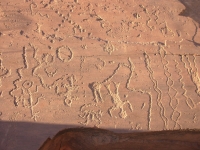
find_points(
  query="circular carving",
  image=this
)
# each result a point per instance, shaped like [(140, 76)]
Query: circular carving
[(27, 84), (48, 58), (64, 53)]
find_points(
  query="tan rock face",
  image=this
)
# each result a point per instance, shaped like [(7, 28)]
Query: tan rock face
[(123, 64)]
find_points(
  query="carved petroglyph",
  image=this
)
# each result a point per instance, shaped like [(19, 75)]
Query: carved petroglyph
[(176, 104), (81, 50), (132, 71), (96, 86), (96, 89), (14, 116), (38, 29), (112, 75), (138, 127), (101, 63), (195, 118), (192, 71), (84, 46), (64, 53), (90, 115), (25, 92), (32, 6), (188, 100), (48, 60), (50, 71), (165, 30), (156, 88), (173, 100), (4, 72), (143, 105), (65, 87), (108, 47), (118, 103), (147, 23), (47, 16)]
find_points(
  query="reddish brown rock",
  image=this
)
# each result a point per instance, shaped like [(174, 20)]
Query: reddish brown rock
[(99, 139)]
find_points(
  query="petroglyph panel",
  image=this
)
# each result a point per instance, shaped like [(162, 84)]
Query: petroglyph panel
[(122, 64)]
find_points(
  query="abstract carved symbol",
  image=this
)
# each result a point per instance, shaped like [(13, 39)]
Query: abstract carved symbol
[(27, 84), (45, 68), (4, 72), (64, 87), (118, 103), (50, 71), (109, 48), (47, 58), (26, 91), (90, 115)]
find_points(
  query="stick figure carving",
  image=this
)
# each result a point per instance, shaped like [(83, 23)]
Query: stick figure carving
[(118, 103)]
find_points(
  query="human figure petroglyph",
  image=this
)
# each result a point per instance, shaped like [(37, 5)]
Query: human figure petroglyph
[(118, 103)]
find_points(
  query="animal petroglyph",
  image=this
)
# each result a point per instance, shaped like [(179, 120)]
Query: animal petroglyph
[(96, 89), (90, 115), (96, 86), (118, 103), (64, 87)]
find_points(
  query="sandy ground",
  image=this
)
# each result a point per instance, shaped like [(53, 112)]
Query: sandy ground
[(122, 65)]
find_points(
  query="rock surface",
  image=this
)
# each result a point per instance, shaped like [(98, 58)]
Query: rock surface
[(121, 65), (90, 139)]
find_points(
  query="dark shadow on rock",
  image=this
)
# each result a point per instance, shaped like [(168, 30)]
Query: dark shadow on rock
[(30, 135), (192, 10)]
